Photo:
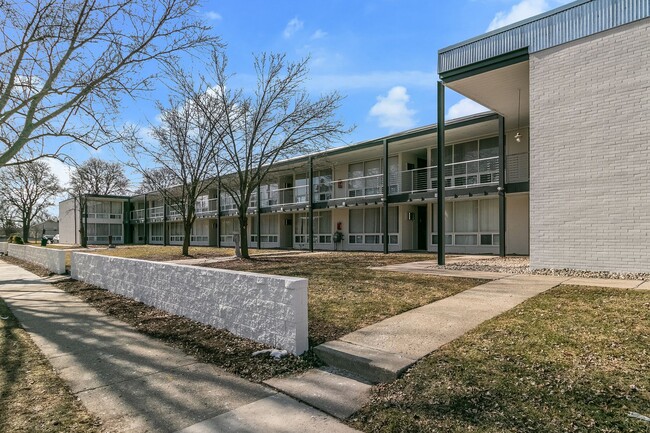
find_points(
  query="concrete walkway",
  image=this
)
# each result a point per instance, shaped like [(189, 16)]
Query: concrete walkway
[(383, 351), (137, 384)]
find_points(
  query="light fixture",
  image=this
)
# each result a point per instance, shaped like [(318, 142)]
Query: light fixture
[(518, 134)]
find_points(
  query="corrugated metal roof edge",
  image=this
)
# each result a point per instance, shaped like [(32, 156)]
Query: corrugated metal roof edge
[(514, 25)]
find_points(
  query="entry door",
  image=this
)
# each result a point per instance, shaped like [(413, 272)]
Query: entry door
[(422, 227)]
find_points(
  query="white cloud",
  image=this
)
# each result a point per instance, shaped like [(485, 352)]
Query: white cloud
[(520, 11), (292, 27), (392, 110), (62, 171), (465, 107), (212, 15), (318, 34)]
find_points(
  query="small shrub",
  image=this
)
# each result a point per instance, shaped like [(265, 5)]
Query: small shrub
[(17, 240)]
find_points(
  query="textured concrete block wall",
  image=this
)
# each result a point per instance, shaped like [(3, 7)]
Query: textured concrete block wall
[(264, 308), (4, 247), (53, 260), (590, 153)]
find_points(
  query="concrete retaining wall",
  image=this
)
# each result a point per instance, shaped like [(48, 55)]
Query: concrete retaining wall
[(4, 247), (53, 260), (265, 308)]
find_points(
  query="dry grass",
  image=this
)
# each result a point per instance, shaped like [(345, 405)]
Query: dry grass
[(32, 397), (344, 295), (160, 253), (572, 359)]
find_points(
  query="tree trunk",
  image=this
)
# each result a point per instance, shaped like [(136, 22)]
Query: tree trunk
[(187, 227), (25, 231), (243, 236)]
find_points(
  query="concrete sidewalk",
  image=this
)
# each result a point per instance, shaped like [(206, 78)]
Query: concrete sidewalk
[(383, 351), (137, 384)]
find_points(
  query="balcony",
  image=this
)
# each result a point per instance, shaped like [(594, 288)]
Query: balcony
[(156, 213), (137, 215), (207, 208)]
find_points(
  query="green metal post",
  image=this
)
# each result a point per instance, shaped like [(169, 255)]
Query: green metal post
[(259, 220), (502, 187), (310, 202), (218, 217), (441, 174), (385, 198)]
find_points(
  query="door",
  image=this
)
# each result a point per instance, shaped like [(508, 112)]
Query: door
[(422, 227)]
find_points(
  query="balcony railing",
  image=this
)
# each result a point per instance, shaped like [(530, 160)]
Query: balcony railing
[(155, 212), (357, 187), (207, 207), (137, 214), (104, 216), (103, 239)]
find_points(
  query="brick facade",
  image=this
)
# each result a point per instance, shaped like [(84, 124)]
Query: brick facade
[(590, 152)]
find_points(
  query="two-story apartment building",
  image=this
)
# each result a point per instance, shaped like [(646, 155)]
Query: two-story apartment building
[(558, 169)]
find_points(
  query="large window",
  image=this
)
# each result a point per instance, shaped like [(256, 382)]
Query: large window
[(268, 226), (100, 232), (364, 178), (157, 232), (176, 232), (229, 226), (105, 209), (366, 226), (322, 228), (471, 163), (200, 231), (471, 222)]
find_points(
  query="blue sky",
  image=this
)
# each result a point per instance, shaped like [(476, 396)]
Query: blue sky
[(380, 54)]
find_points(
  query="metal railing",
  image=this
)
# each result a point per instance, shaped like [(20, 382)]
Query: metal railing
[(137, 214), (104, 239), (357, 187), (105, 216), (156, 212), (207, 207)]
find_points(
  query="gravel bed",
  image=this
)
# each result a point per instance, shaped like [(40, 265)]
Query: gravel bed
[(521, 265)]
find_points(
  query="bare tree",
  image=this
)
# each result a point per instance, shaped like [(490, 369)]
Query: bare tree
[(95, 177), (279, 120), (30, 188), (186, 148), (7, 219), (65, 66), (156, 179)]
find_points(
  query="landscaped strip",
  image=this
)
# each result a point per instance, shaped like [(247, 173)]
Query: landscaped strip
[(345, 295), (32, 397), (571, 359)]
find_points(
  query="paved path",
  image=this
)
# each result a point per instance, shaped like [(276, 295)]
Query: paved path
[(137, 384)]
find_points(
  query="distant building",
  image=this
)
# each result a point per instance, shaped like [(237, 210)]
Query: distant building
[(46, 228)]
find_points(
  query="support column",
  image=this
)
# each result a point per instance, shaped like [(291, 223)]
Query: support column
[(126, 228), (218, 217), (258, 222), (502, 187), (310, 202), (441, 174), (385, 198), (165, 231), (146, 223)]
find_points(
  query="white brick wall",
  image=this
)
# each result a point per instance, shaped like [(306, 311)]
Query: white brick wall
[(4, 246), (265, 308), (590, 153), (53, 260)]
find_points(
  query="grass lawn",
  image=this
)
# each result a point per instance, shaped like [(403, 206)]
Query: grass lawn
[(32, 397), (571, 359), (344, 295), (165, 253)]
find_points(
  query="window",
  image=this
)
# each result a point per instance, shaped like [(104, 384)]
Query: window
[(366, 226), (470, 222), (322, 227), (268, 228)]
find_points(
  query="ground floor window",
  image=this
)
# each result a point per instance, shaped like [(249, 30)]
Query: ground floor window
[(366, 226), (98, 232), (229, 226), (469, 223), (176, 232), (268, 227), (322, 227), (157, 232), (200, 231)]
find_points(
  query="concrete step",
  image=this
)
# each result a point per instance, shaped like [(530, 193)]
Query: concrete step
[(373, 365), (335, 392)]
